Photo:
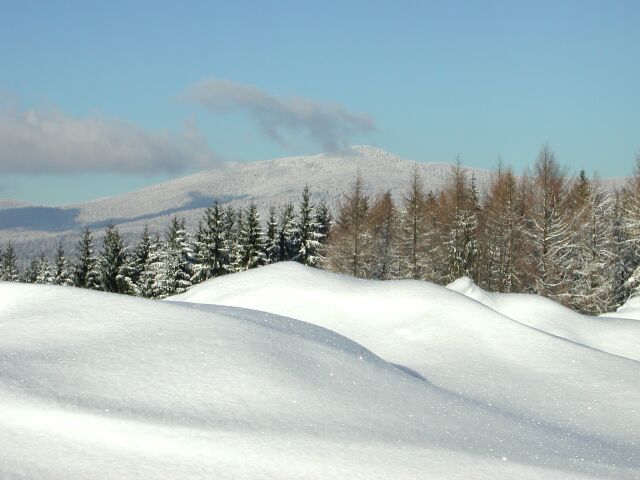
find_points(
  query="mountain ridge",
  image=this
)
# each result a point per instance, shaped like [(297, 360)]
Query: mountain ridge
[(34, 228)]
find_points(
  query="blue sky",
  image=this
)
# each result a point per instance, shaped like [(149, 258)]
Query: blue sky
[(163, 89)]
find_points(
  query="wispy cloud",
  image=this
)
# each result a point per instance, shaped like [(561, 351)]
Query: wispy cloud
[(329, 125), (49, 141)]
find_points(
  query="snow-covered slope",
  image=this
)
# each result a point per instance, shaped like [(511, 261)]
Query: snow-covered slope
[(94, 385), (619, 336), (456, 343)]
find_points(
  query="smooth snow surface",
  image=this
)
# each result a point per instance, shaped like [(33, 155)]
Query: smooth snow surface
[(463, 347), (429, 384), (614, 335)]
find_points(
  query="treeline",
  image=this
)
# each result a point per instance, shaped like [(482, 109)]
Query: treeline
[(226, 240), (567, 239)]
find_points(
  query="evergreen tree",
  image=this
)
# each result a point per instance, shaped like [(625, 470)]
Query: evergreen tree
[(115, 272), (86, 269), (235, 257), (43, 274), (147, 277), (63, 274), (288, 234), (308, 237), (139, 259), (212, 256), (30, 274), (323, 219), (250, 252), (272, 241), (229, 229), (9, 270), (181, 255)]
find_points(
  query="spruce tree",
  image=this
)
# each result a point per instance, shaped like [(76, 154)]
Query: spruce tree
[(86, 268), (251, 247), (9, 270), (30, 274), (323, 219), (115, 272), (139, 259), (63, 274), (180, 247), (288, 234), (212, 257), (272, 242), (43, 274), (147, 285), (308, 237)]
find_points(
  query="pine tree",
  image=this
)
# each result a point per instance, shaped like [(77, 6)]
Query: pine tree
[(147, 276), (115, 272), (180, 253), (251, 241), (86, 268), (212, 256), (324, 220), (43, 274), (308, 237), (288, 234), (272, 241), (63, 274), (139, 259), (30, 274), (235, 257), (9, 270)]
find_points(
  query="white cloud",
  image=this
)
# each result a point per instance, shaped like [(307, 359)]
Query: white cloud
[(49, 141), (329, 125)]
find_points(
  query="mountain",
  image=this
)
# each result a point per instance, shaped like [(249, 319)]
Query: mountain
[(299, 373), (275, 182)]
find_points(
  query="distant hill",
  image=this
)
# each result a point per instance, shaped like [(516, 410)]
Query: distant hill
[(33, 229)]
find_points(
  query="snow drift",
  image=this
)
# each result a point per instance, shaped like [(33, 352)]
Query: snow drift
[(95, 385), (457, 343)]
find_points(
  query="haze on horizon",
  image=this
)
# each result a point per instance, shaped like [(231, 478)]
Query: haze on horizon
[(97, 100)]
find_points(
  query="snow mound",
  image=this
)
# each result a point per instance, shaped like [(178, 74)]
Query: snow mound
[(96, 385), (614, 335), (455, 342)]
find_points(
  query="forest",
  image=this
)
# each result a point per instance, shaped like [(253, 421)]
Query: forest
[(569, 239)]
